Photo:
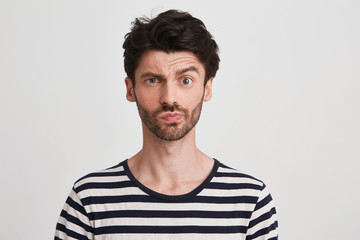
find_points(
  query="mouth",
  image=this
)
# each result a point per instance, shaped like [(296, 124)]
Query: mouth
[(171, 117)]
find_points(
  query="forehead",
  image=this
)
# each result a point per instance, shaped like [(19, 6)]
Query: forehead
[(166, 63)]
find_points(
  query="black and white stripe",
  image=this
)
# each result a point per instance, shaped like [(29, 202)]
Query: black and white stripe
[(112, 204)]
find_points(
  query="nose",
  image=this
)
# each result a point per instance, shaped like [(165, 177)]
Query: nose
[(169, 94)]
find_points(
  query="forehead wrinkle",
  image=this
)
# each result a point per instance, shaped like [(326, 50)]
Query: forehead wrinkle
[(153, 70), (176, 65)]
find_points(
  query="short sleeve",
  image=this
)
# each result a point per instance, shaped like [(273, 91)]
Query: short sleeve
[(73, 222), (263, 222)]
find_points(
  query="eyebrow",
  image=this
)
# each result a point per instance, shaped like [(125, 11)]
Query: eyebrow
[(179, 72), (152, 75), (188, 69)]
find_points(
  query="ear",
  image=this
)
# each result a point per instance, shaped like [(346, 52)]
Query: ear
[(130, 94), (208, 90)]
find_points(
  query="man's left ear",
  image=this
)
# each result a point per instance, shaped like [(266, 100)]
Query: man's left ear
[(208, 90)]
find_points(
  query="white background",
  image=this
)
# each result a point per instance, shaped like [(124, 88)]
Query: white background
[(285, 106)]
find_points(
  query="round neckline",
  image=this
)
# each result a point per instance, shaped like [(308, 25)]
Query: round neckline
[(166, 197)]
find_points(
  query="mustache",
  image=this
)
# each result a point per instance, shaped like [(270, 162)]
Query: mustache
[(170, 108)]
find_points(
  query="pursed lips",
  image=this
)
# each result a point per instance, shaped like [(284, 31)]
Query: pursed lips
[(171, 117)]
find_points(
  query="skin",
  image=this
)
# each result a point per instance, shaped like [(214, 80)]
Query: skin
[(169, 87)]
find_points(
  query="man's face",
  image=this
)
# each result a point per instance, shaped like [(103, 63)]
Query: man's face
[(169, 91)]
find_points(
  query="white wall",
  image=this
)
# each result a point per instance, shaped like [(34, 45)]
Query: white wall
[(285, 106)]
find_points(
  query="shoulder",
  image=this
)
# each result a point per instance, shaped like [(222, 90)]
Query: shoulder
[(230, 175), (244, 184), (101, 178)]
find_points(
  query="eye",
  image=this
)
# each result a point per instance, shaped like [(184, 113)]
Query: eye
[(152, 80), (186, 81)]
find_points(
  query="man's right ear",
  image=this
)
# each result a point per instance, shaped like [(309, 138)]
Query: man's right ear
[(130, 94)]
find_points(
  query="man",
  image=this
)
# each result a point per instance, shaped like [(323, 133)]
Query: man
[(169, 189)]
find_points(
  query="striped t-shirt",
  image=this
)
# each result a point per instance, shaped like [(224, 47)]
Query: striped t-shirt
[(112, 204)]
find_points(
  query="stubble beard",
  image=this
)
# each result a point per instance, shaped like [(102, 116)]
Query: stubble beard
[(172, 131)]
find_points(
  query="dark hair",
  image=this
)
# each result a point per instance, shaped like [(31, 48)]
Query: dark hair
[(170, 31)]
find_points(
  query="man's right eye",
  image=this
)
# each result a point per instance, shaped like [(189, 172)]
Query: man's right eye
[(152, 80)]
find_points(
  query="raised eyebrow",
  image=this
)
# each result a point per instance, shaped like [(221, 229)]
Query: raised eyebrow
[(188, 69)]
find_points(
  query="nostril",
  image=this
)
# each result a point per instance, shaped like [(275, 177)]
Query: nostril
[(168, 108), (171, 108)]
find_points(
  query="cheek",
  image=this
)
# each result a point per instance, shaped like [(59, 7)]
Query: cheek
[(147, 99), (196, 95)]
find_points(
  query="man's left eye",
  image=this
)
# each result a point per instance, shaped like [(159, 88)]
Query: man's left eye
[(186, 81)]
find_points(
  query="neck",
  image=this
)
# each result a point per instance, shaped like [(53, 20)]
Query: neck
[(170, 167)]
